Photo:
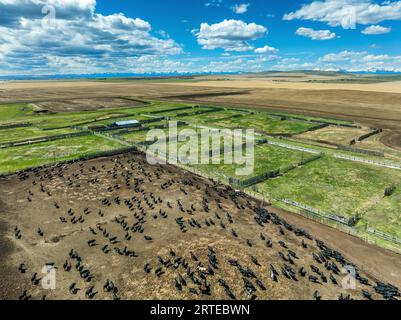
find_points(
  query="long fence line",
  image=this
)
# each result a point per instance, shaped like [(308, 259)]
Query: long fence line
[(44, 139), (383, 235), (292, 147), (272, 173), (326, 215), (368, 161), (362, 151)]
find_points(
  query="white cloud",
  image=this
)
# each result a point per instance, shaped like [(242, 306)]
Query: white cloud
[(352, 61), (376, 29), (266, 49), (360, 61), (347, 13), (213, 3), (290, 60), (29, 42), (316, 34), (343, 56), (230, 35), (239, 64), (241, 8)]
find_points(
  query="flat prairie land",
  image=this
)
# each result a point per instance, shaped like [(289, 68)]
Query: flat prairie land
[(257, 83), (375, 105)]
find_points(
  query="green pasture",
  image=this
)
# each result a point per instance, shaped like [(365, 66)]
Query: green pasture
[(267, 158), (333, 185), (266, 124), (18, 158), (26, 133), (385, 216)]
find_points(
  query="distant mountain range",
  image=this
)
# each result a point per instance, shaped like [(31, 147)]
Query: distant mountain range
[(175, 75)]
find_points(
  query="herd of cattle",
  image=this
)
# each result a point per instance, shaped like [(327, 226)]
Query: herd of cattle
[(119, 228)]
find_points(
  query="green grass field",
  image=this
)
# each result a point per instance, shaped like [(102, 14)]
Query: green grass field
[(385, 216), (211, 118), (266, 124), (333, 185), (267, 158), (22, 134), (18, 158), (23, 113), (10, 113)]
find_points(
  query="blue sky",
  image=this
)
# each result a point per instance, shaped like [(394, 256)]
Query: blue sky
[(139, 36)]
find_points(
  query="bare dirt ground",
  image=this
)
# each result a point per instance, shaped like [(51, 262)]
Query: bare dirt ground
[(271, 83), (124, 229), (392, 139)]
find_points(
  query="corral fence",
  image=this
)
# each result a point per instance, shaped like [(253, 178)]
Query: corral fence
[(44, 139), (234, 116), (315, 128), (186, 114), (370, 134), (82, 157), (368, 161), (321, 121), (15, 125), (383, 235), (362, 151), (292, 147), (271, 174), (313, 211), (173, 109)]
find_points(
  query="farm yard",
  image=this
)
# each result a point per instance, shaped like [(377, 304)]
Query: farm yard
[(326, 183)]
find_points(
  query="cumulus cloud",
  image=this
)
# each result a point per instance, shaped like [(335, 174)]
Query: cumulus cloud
[(11, 11), (266, 49), (241, 8), (352, 61), (31, 40), (347, 13), (316, 34), (361, 61), (246, 63), (376, 29), (230, 35), (343, 56)]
